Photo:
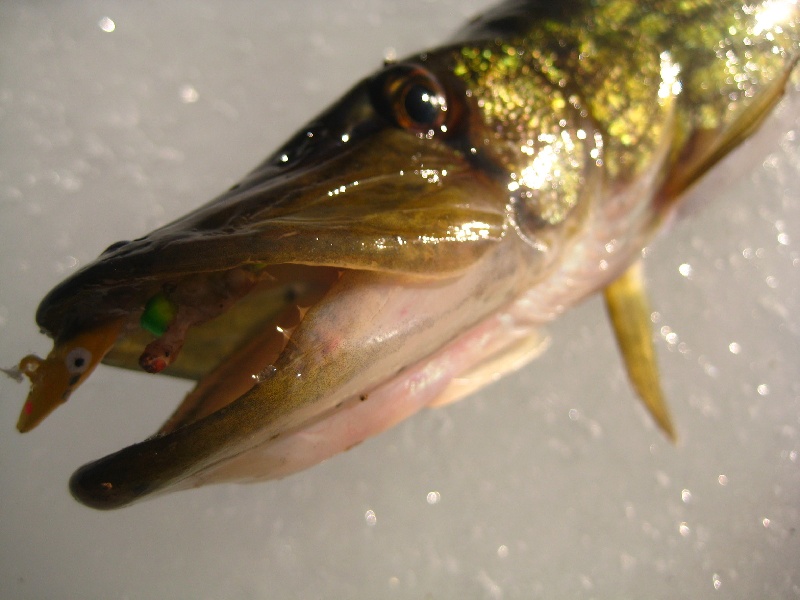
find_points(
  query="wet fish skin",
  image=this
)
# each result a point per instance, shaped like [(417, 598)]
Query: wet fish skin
[(560, 152)]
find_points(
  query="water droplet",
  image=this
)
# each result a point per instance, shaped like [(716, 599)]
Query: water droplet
[(734, 348), (188, 94), (683, 528), (716, 581), (433, 497), (370, 518), (723, 479), (686, 496), (763, 389), (265, 374), (586, 582), (502, 551), (685, 269), (106, 25), (627, 561)]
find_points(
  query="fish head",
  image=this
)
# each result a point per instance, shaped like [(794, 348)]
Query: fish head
[(391, 188)]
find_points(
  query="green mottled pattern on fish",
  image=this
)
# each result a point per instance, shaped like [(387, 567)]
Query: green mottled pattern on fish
[(636, 73)]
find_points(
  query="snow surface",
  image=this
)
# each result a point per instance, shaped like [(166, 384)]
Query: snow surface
[(550, 484)]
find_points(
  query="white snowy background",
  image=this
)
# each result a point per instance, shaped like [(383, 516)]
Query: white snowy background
[(550, 484)]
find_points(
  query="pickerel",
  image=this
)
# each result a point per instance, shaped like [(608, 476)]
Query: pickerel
[(404, 247)]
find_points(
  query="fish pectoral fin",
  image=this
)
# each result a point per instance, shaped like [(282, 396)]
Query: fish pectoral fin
[(629, 311)]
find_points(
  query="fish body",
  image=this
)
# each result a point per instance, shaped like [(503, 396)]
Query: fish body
[(403, 248)]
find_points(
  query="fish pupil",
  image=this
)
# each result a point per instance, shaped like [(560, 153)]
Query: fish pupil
[(422, 105)]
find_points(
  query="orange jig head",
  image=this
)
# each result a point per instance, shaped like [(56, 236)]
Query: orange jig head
[(54, 378)]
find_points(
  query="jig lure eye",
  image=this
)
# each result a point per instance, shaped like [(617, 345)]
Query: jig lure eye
[(78, 360), (414, 99)]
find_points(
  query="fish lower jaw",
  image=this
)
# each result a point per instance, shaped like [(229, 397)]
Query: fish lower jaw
[(499, 344)]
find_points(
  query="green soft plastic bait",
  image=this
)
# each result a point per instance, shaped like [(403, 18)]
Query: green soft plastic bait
[(158, 314)]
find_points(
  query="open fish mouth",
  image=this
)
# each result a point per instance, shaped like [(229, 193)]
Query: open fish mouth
[(347, 265), (357, 362), (347, 354), (402, 249)]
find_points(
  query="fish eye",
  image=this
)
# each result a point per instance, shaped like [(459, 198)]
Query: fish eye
[(420, 105), (78, 360), (413, 98)]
